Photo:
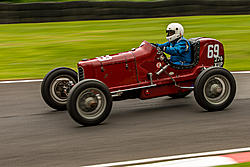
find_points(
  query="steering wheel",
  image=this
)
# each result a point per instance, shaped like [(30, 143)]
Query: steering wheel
[(161, 52)]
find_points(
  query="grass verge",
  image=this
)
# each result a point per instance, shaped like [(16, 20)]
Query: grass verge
[(247, 164), (31, 50)]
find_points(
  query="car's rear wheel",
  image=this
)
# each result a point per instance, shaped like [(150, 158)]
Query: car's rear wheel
[(89, 102), (215, 89), (56, 86)]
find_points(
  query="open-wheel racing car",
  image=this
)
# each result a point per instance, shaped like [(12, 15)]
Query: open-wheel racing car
[(144, 73)]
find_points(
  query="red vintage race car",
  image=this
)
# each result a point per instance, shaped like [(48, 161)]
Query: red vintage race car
[(144, 73)]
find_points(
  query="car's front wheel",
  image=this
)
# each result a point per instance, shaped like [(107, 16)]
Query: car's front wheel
[(56, 86), (89, 102), (215, 89)]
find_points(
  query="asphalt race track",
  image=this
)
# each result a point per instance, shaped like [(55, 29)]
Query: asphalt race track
[(32, 134)]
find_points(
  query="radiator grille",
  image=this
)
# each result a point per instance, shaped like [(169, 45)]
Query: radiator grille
[(80, 74)]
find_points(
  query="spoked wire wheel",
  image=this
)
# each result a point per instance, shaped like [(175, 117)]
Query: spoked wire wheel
[(56, 86), (60, 88)]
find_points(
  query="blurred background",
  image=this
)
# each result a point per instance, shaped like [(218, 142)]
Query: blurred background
[(37, 36)]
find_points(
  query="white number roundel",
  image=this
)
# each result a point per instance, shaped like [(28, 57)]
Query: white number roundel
[(104, 58), (213, 51), (158, 65)]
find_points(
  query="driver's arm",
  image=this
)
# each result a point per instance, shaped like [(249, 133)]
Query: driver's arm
[(167, 44), (178, 49)]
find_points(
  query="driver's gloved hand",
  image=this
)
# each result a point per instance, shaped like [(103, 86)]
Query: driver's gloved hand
[(163, 48)]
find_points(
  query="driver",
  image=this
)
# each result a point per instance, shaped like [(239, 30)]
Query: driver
[(177, 46)]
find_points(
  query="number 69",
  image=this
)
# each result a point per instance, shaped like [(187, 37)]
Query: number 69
[(212, 51)]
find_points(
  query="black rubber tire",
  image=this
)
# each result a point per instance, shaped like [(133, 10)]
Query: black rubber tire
[(46, 85), (180, 95), (76, 91), (199, 88)]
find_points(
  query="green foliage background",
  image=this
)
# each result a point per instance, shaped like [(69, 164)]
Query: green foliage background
[(31, 50)]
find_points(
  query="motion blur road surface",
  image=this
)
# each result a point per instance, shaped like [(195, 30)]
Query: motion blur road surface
[(32, 134)]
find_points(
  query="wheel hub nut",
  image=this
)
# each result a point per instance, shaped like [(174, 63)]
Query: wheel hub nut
[(216, 89), (90, 102)]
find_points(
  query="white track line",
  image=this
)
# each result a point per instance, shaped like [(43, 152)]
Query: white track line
[(240, 72), (175, 157), (40, 80), (20, 81), (192, 162)]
